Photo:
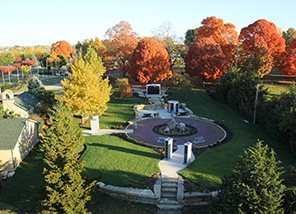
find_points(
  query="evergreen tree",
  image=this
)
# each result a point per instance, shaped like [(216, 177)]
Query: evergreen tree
[(255, 185), (290, 193), (66, 190), (34, 85), (86, 91)]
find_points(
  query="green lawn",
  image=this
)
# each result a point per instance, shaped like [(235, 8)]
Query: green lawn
[(51, 80), (122, 162), (275, 90), (20, 189), (209, 167), (118, 112)]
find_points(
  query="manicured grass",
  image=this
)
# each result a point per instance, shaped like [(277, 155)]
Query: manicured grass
[(118, 113), (275, 90), (122, 162), (209, 167), (51, 80), (19, 190)]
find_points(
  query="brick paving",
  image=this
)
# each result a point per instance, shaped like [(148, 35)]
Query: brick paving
[(209, 131)]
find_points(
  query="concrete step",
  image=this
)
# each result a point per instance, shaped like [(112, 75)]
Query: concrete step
[(169, 189), (169, 185), (169, 206), (172, 201), (169, 180), (168, 194)]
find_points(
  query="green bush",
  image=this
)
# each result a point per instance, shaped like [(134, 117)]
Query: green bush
[(46, 96), (169, 93), (281, 119), (254, 186), (224, 85), (34, 85), (135, 94)]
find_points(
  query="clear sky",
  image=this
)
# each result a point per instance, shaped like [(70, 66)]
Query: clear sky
[(30, 22)]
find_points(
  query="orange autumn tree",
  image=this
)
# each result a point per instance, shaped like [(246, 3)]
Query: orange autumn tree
[(287, 64), (120, 45), (260, 59), (61, 48), (223, 34), (268, 32), (150, 62), (205, 59)]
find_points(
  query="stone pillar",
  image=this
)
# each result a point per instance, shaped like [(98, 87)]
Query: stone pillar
[(168, 146), (96, 117), (94, 126), (187, 152)]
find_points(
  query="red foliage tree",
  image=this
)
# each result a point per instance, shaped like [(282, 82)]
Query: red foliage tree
[(7, 69), (29, 62), (205, 59), (18, 65), (261, 58), (287, 64), (224, 34), (120, 45), (268, 32), (62, 48), (292, 45), (150, 62), (18, 59)]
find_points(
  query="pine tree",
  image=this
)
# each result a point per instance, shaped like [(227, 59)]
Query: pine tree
[(66, 190), (255, 185), (34, 85), (86, 92)]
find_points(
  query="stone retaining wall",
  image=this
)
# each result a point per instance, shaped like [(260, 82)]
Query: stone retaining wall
[(147, 196)]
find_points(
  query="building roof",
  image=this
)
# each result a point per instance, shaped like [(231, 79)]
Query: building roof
[(26, 101), (10, 130)]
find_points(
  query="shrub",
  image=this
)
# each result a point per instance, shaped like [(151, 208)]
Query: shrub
[(135, 94), (169, 93), (254, 185), (34, 85)]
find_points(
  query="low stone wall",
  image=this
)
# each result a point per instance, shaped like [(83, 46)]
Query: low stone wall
[(144, 107), (145, 196), (148, 196)]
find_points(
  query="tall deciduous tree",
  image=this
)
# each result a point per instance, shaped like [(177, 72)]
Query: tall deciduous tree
[(171, 42), (86, 92), (260, 59), (287, 60), (150, 62), (120, 45), (61, 47), (190, 36), (289, 35), (205, 59), (224, 34), (268, 32), (255, 185), (95, 44), (60, 143)]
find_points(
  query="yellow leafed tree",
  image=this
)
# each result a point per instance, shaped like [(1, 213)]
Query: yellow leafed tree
[(86, 92)]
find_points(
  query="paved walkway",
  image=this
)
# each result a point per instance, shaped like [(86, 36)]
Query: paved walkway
[(210, 132), (171, 167)]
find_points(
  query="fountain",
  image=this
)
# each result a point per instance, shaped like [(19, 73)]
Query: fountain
[(174, 129)]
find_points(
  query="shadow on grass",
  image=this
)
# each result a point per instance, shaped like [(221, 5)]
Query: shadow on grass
[(114, 177), (126, 150)]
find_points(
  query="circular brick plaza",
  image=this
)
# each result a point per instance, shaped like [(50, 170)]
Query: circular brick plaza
[(211, 132)]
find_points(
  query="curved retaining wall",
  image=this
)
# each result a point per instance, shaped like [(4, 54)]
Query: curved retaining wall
[(147, 196)]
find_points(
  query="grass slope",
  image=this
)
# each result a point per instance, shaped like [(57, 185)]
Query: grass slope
[(19, 190), (209, 167), (122, 162)]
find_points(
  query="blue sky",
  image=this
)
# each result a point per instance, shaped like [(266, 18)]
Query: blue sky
[(30, 22)]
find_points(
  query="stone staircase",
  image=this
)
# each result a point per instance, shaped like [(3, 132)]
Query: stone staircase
[(169, 189)]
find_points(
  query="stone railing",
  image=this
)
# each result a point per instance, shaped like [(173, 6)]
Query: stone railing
[(147, 196)]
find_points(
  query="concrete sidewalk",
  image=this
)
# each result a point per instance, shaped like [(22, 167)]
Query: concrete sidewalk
[(171, 167), (107, 131)]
